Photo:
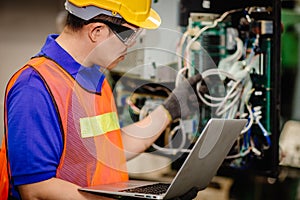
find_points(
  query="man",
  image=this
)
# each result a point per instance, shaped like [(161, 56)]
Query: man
[(61, 124)]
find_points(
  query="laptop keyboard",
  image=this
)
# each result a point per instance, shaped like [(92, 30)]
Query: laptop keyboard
[(159, 188)]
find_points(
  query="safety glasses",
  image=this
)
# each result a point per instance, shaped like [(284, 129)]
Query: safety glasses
[(125, 34)]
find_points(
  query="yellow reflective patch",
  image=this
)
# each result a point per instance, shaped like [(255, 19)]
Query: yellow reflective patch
[(98, 125)]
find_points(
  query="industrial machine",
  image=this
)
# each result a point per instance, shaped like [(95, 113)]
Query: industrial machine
[(235, 45), (243, 39)]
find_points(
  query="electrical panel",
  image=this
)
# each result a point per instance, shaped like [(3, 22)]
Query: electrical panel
[(239, 42), (235, 45)]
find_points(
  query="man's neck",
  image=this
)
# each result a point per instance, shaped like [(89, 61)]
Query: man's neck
[(75, 44)]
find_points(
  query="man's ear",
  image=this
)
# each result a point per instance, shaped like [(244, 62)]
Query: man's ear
[(94, 31)]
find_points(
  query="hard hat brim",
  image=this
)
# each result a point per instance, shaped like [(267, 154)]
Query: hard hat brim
[(152, 22), (87, 12)]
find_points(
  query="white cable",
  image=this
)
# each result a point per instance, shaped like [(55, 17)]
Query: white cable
[(228, 62), (238, 155), (220, 112), (216, 71), (250, 123), (179, 49), (247, 91), (180, 76), (183, 133), (233, 111), (232, 93), (226, 98), (174, 151), (170, 151), (197, 35), (144, 111), (253, 148), (230, 96)]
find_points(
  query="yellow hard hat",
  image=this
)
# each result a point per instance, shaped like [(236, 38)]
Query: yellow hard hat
[(137, 12)]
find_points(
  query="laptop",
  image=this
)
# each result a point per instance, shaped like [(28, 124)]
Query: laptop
[(198, 169)]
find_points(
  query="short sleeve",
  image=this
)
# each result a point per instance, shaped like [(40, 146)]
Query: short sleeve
[(34, 135)]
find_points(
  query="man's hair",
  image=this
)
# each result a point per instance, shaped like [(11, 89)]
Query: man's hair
[(76, 23)]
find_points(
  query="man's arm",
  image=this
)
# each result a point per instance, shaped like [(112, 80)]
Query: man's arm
[(57, 189), (139, 136), (181, 102)]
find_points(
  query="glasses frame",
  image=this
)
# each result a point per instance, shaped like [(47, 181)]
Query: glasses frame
[(125, 34)]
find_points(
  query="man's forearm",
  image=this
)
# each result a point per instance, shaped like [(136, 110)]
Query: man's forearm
[(139, 136), (57, 189)]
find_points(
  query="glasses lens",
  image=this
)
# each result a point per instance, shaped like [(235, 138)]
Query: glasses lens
[(133, 36), (124, 35)]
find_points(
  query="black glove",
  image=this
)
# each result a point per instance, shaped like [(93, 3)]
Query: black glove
[(191, 194), (184, 98)]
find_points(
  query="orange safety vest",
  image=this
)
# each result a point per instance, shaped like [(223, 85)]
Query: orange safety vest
[(93, 153)]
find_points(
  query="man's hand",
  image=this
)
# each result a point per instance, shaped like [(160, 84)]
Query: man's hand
[(184, 98)]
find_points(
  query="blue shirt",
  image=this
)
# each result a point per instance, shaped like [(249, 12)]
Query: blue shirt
[(35, 140)]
